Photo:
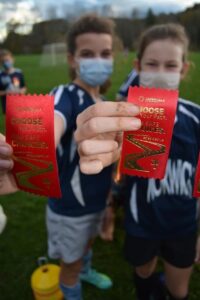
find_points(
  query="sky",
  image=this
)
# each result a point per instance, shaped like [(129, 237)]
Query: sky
[(27, 12)]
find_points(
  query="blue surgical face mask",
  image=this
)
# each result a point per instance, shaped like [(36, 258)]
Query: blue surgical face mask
[(94, 71), (7, 64)]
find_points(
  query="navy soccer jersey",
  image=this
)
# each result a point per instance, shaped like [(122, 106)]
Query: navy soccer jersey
[(10, 82), (165, 208), (81, 194), (131, 80)]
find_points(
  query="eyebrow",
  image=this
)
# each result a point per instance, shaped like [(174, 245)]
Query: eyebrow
[(156, 60), (172, 61), (91, 50)]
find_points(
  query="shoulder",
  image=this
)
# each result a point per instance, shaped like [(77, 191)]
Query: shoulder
[(59, 92), (189, 109), (133, 74), (131, 78), (73, 95), (189, 104)]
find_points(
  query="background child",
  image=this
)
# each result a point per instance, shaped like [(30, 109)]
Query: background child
[(160, 214), (11, 79)]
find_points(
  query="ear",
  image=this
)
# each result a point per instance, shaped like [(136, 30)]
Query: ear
[(136, 65), (185, 69)]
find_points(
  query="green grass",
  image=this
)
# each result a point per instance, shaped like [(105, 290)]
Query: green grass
[(24, 238)]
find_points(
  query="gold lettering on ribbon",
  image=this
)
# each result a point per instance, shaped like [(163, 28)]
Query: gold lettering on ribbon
[(24, 177), (131, 160)]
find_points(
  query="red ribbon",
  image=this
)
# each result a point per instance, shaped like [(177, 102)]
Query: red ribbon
[(30, 132), (145, 151), (196, 191)]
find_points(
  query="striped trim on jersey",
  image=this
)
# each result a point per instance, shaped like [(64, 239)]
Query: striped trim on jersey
[(186, 111), (57, 93)]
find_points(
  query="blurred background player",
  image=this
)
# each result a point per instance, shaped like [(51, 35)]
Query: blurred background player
[(11, 79)]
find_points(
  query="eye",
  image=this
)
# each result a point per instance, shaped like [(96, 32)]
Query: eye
[(106, 54), (171, 66), (86, 54), (152, 64)]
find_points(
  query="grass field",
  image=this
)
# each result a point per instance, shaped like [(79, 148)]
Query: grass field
[(24, 238)]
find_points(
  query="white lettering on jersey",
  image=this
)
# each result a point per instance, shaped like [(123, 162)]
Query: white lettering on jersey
[(177, 181)]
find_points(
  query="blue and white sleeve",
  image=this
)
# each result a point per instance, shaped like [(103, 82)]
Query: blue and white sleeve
[(62, 105)]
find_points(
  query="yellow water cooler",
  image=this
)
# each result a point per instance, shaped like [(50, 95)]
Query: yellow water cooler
[(45, 281)]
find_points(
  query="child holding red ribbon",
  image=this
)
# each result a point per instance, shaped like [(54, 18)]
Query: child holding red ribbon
[(161, 215), (75, 220)]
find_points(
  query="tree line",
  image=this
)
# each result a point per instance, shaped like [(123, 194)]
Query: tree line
[(127, 31)]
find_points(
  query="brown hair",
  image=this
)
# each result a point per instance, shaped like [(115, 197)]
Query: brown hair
[(90, 23), (5, 52), (175, 32)]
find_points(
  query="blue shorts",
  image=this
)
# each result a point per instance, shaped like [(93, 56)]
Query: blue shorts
[(179, 252)]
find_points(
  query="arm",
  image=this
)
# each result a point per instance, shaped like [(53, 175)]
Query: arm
[(3, 93), (7, 184), (59, 128), (108, 223), (197, 258), (23, 90)]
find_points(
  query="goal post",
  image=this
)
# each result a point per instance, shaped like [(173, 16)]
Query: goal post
[(53, 54)]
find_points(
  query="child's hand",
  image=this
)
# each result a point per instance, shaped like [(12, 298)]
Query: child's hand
[(197, 258), (7, 181), (6, 162), (99, 133), (108, 225)]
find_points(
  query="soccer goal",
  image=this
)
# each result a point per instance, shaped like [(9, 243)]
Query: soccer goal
[(53, 54)]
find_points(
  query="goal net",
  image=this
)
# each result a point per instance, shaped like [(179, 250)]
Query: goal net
[(53, 54)]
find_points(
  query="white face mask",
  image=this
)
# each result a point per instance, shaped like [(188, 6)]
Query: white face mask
[(166, 80)]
